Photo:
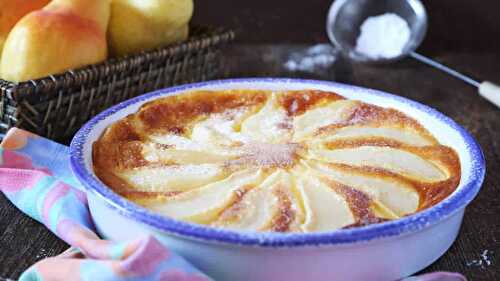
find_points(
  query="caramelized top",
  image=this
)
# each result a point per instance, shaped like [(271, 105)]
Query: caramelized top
[(296, 161)]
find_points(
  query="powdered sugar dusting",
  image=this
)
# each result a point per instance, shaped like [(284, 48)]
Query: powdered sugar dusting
[(201, 169), (268, 155), (278, 123), (225, 122), (295, 106)]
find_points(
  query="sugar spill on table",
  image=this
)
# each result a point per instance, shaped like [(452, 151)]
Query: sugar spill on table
[(485, 259), (313, 59), (42, 254)]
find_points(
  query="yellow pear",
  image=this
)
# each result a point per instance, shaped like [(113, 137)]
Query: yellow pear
[(64, 34), (138, 25), (12, 11)]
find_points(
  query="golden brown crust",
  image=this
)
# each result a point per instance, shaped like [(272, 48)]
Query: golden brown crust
[(231, 213), (174, 113), (359, 203), (298, 102), (283, 219)]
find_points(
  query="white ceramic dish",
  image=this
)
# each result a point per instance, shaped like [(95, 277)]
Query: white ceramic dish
[(386, 251)]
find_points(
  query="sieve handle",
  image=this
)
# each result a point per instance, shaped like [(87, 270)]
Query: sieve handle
[(491, 92), (444, 68), (487, 90)]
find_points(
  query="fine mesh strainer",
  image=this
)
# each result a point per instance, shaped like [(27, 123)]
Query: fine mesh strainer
[(346, 17)]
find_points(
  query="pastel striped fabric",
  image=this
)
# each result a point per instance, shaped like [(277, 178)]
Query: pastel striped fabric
[(35, 177)]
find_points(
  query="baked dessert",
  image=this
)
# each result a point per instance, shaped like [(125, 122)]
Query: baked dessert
[(291, 161)]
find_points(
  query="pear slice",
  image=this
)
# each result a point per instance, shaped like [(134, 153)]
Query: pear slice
[(155, 153), (324, 209), (176, 141), (289, 214), (332, 113), (204, 204), (167, 178), (271, 124), (221, 130), (381, 211), (392, 159), (268, 207), (182, 143), (398, 196), (406, 136)]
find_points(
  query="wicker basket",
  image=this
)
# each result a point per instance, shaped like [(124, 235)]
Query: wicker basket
[(57, 106)]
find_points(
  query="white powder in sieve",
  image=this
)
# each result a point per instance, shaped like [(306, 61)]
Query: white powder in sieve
[(383, 36)]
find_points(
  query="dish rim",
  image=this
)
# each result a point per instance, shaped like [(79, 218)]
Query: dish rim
[(412, 223)]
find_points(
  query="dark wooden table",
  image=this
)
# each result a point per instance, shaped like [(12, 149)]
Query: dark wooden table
[(476, 253)]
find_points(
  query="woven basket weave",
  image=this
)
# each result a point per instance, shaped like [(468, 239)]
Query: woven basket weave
[(57, 106)]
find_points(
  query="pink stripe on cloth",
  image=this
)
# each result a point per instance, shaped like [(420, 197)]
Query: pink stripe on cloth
[(81, 196), (15, 180), (12, 159), (74, 234), (87, 241), (145, 259), (56, 269), (180, 276), (58, 191)]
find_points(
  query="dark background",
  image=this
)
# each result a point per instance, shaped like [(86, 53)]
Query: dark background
[(454, 25)]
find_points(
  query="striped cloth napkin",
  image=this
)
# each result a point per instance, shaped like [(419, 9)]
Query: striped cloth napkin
[(35, 176)]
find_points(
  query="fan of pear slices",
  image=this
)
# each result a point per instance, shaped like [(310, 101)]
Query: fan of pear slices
[(291, 161)]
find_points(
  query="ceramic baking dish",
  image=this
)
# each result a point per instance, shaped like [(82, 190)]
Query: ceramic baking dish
[(385, 251)]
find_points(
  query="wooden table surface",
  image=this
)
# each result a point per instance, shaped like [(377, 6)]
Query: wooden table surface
[(476, 252)]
